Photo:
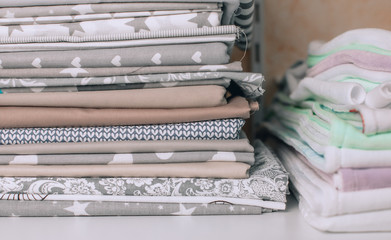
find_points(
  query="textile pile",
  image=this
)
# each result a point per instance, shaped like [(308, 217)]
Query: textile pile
[(130, 108), (333, 115)]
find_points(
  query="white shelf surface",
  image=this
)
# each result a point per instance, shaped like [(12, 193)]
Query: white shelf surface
[(288, 225)]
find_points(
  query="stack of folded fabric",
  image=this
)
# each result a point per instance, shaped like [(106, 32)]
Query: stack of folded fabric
[(123, 109), (334, 112)]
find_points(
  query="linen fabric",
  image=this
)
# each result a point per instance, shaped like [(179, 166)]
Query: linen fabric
[(179, 54), (268, 181), (326, 201), (176, 97), (110, 208), (224, 129), (18, 117), (127, 158), (240, 145), (207, 170)]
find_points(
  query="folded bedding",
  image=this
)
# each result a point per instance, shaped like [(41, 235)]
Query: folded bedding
[(224, 129), (127, 158), (19, 117), (239, 145), (176, 97)]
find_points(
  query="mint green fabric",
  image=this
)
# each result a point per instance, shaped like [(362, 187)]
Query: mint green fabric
[(315, 59), (366, 84)]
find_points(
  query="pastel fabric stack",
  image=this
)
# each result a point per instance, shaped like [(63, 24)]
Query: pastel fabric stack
[(125, 109), (334, 112)]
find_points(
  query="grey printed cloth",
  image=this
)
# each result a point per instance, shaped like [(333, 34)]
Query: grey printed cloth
[(213, 129), (108, 208), (92, 9), (245, 20), (11, 19), (267, 182), (187, 54), (114, 25), (249, 83), (127, 158), (27, 73), (238, 145)]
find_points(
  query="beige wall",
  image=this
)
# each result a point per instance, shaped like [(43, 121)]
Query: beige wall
[(291, 24)]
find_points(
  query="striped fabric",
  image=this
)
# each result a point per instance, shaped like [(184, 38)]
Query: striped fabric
[(244, 20)]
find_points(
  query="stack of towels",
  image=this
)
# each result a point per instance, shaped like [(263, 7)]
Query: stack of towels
[(123, 109), (335, 113)]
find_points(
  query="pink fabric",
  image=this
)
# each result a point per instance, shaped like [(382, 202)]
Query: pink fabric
[(365, 178), (363, 59)]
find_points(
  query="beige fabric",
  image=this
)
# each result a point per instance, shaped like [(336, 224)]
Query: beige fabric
[(14, 117), (207, 169), (240, 145), (176, 97)]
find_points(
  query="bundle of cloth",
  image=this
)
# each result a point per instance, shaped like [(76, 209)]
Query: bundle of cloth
[(333, 115), (129, 108)]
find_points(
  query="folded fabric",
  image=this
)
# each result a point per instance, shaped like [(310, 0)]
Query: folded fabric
[(239, 145), (213, 129), (249, 83), (322, 198), (380, 96), (353, 39), (364, 59), (374, 221), (185, 37), (335, 92), (176, 97), (224, 82), (267, 182), (19, 117), (88, 9), (326, 129), (350, 179), (114, 26), (92, 16), (206, 170), (245, 20), (179, 54), (109, 208), (229, 5), (333, 158), (128, 158), (111, 72), (351, 73)]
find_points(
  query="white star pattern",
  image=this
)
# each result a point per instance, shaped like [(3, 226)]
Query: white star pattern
[(204, 205), (83, 9), (9, 14), (183, 211), (78, 209), (160, 207)]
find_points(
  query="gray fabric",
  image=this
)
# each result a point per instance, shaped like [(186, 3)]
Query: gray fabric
[(219, 82), (11, 208), (238, 145), (249, 83), (268, 181), (114, 25), (225, 129), (27, 73), (128, 158), (86, 9), (208, 53)]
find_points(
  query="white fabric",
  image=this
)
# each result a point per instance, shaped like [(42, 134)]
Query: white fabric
[(350, 70), (370, 36), (359, 222), (375, 120), (379, 97), (335, 92), (172, 199), (322, 198)]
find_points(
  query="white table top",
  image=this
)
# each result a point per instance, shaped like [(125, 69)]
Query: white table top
[(279, 225)]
